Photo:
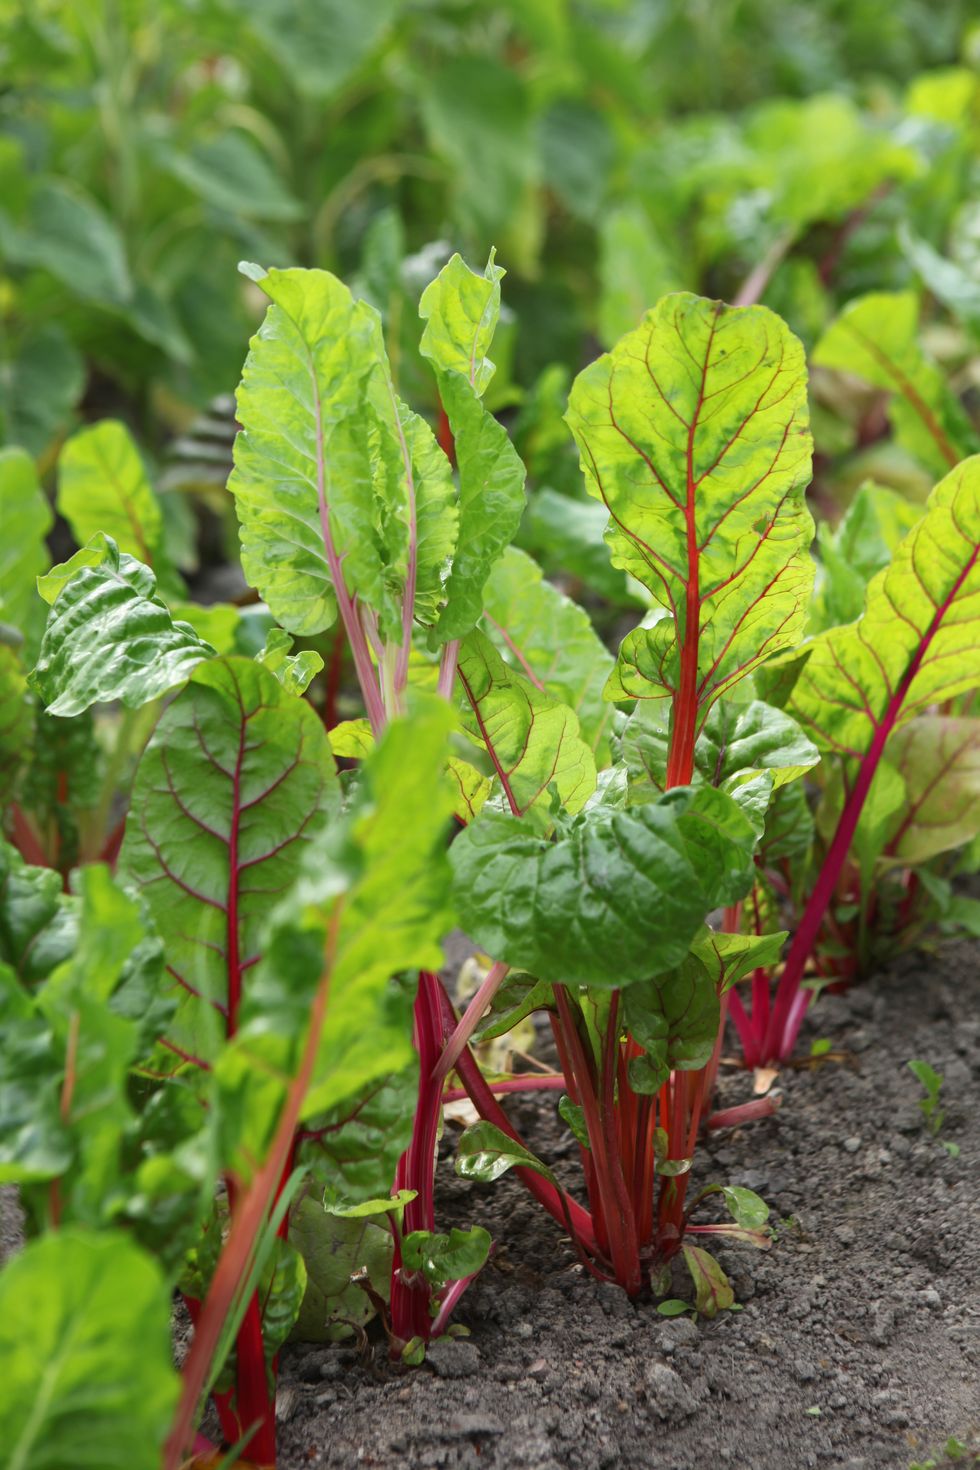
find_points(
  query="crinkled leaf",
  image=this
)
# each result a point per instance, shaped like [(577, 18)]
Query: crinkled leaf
[(294, 671), (236, 781), (281, 1288), (484, 1153), (551, 639), (876, 338), (445, 1258), (303, 376), (334, 475), (737, 743), (88, 1368), (371, 902), (675, 1019), (38, 921), (617, 897), (103, 486), (109, 635), (916, 644), (460, 310), (533, 739), (64, 778), (789, 828), (694, 433)]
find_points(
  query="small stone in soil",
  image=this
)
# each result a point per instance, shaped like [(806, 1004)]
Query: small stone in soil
[(669, 1395), (450, 1358), (681, 1332)]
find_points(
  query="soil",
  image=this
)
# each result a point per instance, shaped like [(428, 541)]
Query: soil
[(858, 1339)]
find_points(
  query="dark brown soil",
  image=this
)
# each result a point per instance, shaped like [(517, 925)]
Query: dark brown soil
[(858, 1342)]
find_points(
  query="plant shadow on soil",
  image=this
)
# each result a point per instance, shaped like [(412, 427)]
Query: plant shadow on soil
[(858, 1341)]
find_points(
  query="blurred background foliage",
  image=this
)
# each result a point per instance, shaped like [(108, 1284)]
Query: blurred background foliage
[(611, 150)]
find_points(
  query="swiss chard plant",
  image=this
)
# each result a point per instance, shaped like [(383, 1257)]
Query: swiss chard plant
[(635, 835)]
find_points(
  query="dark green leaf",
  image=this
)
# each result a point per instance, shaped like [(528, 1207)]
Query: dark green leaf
[(618, 897), (109, 635)]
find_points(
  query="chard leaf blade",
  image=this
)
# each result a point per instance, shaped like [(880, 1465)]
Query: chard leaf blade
[(916, 643), (532, 737), (85, 1337), (236, 781), (694, 433), (460, 309), (617, 897), (109, 635)]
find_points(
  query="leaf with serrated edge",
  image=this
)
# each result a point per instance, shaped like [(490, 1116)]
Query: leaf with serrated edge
[(532, 738), (460, 310), (617, 897), (917, 642), (109, 636), (694, 433)]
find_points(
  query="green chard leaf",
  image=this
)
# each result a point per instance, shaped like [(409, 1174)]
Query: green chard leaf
[(916, 644), (109, 635), (937, 760), (694, 433), (16, 720), (460, 309), (485, 1152), (103, 486), (675, 1019), (876, 338), (371, 901), (550, 638), (352, 1150), (617, 897), (88, 1367), (850, 555), (341, 491), (26, 519), (334, 1249), (737, 744), (38, 921), (235, 783), (532, 738), (445, 1258)]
